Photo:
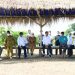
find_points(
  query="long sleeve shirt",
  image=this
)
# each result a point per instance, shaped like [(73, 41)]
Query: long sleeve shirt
[(70, 40), (21, 41), (46, 40), (63, 40), (73, 40)]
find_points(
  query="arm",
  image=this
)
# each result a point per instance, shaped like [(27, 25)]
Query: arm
[(18, 42), (5, 43)]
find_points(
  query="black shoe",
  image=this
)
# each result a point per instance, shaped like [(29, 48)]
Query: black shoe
[(31, 54), (25, 56), (69, 56), (43, 55), (49, 55), (18, 57)]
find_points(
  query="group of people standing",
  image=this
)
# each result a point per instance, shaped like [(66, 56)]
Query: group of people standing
[(64, 42)]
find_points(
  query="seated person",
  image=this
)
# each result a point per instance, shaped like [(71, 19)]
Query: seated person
[(57, 41), (22, 44), (32, 43), (9, 43), (70, 45), (47, 44), (0, 53), (63, 43)]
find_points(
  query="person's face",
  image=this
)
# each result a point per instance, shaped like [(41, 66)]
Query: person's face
[(32, 35), (21, 35), (46, 33), (50, 32), (58, 32), (70, 34), (8, 34), (62, 34), (29, 31)]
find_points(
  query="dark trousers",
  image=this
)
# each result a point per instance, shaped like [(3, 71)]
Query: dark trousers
[(64, 47), (49, 49), (70, 50), (0, 51), (60, 50), (56, 51), (57, 44), (19, 51)]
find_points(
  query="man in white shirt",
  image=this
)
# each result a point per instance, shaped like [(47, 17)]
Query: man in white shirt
[(47, 44), (21, 44), (70, 45), (50, 34)]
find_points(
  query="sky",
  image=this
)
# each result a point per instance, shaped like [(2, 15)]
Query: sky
[(60, 25)]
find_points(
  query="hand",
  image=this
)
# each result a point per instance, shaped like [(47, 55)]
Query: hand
[(46, 46)]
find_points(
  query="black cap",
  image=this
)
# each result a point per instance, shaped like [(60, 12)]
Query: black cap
[(8, 32), (21, 33)]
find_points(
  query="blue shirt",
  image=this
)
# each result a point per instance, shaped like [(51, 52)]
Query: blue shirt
[(63, 39)]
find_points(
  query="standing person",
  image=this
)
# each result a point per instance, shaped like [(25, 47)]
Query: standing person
[(32, 43), (21, 44), (70, 45), (0, 53), (28, 35), (63, 43), (40, 38), (57, 41), (49, 33), (74, 39), (9, 43), (47, 44)]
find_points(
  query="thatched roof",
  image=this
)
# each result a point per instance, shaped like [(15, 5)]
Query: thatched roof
[(36, 4), (30, 7), (35, 10)]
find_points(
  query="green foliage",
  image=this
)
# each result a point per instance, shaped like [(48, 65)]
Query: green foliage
[(73, 26), (3, 34), (70, 29)]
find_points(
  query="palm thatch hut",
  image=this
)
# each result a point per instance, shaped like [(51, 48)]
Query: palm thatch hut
[(46, 10), (38, 11)]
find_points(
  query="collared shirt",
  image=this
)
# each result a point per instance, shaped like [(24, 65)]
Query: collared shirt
[(46, 40), (40, 39), (57, 37), (63, 40), (29, 34), (21, 41), (70, 40), (73, 40)]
